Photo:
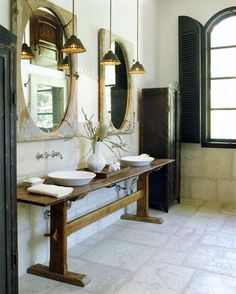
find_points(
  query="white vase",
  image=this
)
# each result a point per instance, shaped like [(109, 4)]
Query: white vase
[(96, 162)]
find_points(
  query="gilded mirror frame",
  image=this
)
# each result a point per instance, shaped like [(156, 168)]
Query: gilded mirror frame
[(27, 130), (127, 48)]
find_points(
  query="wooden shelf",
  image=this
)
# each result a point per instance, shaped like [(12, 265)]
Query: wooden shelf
[(82, 191)]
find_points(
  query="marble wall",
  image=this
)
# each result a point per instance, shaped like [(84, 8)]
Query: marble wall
[(208, 173)]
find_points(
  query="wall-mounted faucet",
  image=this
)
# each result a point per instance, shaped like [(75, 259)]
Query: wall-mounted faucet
[(46, 155), (56, 154)]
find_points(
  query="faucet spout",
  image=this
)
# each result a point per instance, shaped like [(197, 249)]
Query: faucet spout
[(56, 154)]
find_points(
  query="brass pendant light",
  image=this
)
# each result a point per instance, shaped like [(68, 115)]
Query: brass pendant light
[(64, 65), (137, 67), (26, 52), (110, 58), (73, 44)]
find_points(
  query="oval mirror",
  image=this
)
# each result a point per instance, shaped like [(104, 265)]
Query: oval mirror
[(45, 86), (116, 88), (115, 84), (46, 95)]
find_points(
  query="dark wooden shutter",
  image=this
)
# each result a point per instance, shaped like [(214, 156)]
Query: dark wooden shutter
[(190, 72), (8, 227)]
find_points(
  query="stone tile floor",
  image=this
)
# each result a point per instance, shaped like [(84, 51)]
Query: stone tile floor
[(192, 252)]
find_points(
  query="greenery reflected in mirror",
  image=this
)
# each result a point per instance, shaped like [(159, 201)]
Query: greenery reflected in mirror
[(46, 95), (115, 84), (50, 107), (48, 102)]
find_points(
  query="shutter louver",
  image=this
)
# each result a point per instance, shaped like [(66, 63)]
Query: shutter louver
[(190, 78)]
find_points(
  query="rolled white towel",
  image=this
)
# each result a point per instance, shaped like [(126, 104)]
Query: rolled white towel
[(50, 190)]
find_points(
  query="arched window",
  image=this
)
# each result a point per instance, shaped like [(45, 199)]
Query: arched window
[(220, 110), (207, 77)]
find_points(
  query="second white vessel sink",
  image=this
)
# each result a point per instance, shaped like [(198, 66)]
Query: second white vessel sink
[(72, 178), (137, 160)]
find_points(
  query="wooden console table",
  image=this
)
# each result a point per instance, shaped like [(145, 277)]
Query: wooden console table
[(60, 229)]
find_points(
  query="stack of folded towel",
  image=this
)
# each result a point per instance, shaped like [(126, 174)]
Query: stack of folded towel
[(50, 190)]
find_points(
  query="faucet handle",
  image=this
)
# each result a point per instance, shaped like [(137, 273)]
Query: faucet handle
[(46, 155), (39, 156)]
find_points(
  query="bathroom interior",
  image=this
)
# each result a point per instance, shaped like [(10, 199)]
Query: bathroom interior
[(204, 213)]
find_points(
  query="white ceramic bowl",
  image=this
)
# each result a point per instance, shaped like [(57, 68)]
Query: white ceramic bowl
[(137, 160), (72, 178)]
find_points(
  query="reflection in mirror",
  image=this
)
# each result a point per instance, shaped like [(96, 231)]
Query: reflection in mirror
[(116, 88), (48, 101), (46, 37), (50, 107), (45, 98), (115, 84)]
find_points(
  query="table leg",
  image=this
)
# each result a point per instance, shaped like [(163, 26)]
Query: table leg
[(58, 238), (57, 269), (143, 204)]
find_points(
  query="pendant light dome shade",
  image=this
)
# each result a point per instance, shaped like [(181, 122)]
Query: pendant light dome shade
[(64, 65), (137, 68), (73, 45), (26, 52), (110, 58)]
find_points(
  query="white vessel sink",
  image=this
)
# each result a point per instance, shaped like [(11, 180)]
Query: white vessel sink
[(137, 160), (72, 178)]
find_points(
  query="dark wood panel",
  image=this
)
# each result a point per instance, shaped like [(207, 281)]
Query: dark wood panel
[(8, 227), (154, 133), (159, 137)]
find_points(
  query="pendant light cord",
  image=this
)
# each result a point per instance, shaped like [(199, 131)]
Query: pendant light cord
[(137, 26), (73, 12), (110, 20), (30, 6)]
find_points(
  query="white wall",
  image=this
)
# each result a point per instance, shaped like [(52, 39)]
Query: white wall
[(5, 19), (201, 10), (208, 174), (92, 15)]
